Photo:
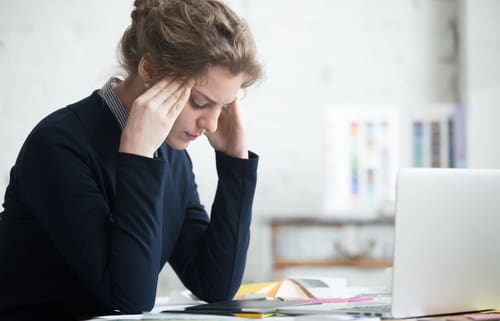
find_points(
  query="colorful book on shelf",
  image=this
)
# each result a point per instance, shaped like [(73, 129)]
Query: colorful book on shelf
[(438, 137)]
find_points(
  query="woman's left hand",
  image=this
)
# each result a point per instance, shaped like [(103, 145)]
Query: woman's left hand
[(229, 137)]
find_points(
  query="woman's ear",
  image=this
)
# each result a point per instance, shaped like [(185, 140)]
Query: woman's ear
[(145, 69)]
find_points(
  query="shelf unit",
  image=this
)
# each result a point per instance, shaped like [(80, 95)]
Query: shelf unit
[(279, 263)]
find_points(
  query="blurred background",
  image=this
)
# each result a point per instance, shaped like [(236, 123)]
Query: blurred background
[(354, 90)]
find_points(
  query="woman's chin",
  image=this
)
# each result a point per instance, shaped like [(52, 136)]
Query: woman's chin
[(177, 144)]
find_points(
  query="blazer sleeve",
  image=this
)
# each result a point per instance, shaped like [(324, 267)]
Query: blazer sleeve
[(210, 256), (116, 254)]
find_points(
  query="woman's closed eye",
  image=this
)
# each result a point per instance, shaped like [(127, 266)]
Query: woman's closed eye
[(197, 105)]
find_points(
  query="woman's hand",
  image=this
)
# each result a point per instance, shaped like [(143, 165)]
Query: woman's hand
[(230, 134), (152, 116)]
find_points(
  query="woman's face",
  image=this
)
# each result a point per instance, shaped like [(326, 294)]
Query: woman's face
[(208, 98)]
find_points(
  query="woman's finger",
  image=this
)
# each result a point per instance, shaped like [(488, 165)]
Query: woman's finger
[(171, 89), (178, 104), (153, 90), (170, 100)]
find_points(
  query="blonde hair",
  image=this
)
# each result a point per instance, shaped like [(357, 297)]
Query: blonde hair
[(187, 37)]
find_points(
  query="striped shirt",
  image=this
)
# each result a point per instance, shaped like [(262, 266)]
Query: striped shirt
[(113, 102)]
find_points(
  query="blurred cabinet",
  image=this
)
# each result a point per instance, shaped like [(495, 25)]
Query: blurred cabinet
[(310, 242)]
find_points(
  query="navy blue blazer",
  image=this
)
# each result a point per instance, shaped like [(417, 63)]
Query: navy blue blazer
[(86, 229)]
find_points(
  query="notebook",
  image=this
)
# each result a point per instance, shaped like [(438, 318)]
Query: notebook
[(447, 245), (244, 308)]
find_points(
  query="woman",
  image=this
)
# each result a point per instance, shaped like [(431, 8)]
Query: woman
[(102, 194)]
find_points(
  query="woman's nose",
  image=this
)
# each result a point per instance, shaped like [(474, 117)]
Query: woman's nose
[(209, 121)]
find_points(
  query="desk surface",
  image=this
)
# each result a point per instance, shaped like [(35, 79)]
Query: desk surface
[(156, 315)]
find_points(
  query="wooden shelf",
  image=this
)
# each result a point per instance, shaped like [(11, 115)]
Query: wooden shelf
[(361, 260), (277, 222), (361, 263)]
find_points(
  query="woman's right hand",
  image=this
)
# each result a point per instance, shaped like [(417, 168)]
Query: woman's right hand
[(152, 116)]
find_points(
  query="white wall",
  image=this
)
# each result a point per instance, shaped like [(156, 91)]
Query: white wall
[(324, 52), (316, 53), (52, 53), (481, 81)]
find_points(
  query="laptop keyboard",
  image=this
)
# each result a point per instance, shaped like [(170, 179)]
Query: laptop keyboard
[(368, 309)]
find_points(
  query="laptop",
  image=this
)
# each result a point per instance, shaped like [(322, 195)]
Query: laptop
[(447, 246)]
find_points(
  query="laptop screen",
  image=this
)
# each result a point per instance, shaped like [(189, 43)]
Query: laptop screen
[(447, 245)]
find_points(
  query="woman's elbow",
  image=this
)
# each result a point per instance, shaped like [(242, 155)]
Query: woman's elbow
[(135, 305), (217, 294)]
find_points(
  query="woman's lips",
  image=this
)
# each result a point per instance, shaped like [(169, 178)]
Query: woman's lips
[(191, 136)]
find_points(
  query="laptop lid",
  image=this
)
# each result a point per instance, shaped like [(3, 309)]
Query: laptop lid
[(447, 242)]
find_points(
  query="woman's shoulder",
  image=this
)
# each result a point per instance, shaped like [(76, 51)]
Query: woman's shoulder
[(71, 122)]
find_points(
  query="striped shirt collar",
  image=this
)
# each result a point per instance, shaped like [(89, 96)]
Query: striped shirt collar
[(113, 102)]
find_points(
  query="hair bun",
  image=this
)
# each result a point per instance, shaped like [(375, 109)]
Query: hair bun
[(186, 38), (143, 7)]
